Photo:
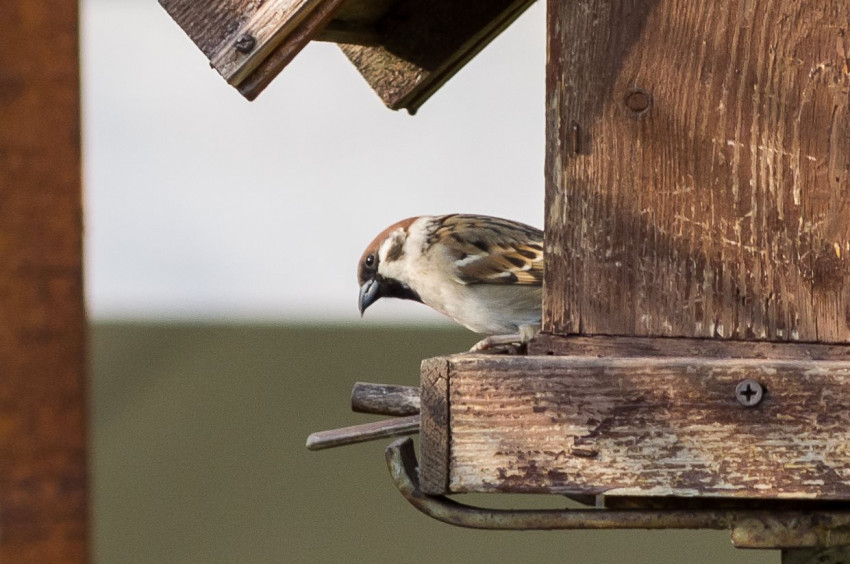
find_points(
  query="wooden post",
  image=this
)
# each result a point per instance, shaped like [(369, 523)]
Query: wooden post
[(42, 334), (698, 169)]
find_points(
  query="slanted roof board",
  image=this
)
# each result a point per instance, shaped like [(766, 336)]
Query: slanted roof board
[(406, 50)]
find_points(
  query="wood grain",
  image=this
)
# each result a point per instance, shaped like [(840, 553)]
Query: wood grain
[(404, 49), (646, 427), (292, 44), (385, 399), (423, 45), (720, 210), (43, 508), (280, 28), (434, 426), (613, 346), (268, 26)]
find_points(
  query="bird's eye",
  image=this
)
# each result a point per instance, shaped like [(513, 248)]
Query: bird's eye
[(370, 261)]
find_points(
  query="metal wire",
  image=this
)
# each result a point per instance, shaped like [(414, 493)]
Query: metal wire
[(757, 528)]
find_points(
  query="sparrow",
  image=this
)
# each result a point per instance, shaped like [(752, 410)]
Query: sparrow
[(483, 272)]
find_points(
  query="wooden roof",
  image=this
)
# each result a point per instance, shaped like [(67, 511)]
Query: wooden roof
[(404, 49)]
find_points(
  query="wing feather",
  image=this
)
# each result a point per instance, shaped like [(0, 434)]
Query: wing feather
[(490, 250)]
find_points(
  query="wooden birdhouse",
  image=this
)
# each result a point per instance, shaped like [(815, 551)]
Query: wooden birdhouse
[(693, 368), (404, 49)]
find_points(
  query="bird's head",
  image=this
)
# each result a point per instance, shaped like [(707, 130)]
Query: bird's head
[(379, 272)]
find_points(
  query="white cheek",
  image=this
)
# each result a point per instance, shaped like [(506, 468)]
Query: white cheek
[(382, 252), (391, 268)]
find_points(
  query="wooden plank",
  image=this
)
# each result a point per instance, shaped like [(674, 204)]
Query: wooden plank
[(405, 49), (697, 169), (286, 50), (645, 427), (268, 34), (209, 24), (42, 335), (434, 426), (243, 51), (614, 346), (425, 44)]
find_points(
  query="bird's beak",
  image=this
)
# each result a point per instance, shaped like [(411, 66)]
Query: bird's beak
[(370, 292)]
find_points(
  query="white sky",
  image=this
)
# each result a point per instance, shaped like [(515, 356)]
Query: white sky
[(200, 204)]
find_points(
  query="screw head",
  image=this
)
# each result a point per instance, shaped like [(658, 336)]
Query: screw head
[(245, 43), (749, 392)]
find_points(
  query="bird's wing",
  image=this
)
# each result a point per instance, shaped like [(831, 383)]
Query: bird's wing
[(489, 250)]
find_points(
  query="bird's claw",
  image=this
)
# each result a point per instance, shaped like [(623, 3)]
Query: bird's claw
[(502, 344)]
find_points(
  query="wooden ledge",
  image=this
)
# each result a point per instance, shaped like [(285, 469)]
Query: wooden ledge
[(617, 346), (641, 426)]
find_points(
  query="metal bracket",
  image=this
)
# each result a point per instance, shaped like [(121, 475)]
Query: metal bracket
[(757, 528)]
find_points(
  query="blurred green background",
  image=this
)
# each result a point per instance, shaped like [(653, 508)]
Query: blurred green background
[(198, 456)]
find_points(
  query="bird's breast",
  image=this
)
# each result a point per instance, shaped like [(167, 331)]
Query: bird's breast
[(487, 308)]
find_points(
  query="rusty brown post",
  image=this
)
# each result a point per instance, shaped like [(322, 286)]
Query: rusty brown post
[(43, 505)]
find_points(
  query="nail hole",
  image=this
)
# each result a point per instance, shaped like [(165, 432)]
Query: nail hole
[(638, 102)]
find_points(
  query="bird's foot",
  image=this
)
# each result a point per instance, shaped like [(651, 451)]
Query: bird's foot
[(514, 343), (502, 344)]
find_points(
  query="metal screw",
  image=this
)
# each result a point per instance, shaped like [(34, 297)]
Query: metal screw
[(639, 102), (749, 392), (245, 43)]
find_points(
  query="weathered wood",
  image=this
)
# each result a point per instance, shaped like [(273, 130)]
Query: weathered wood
[(613, 346), (209, 24), (405, 49), (642, 427), (288, 48), (363, 433), (385, 399), (42, 333), (434, 427), (278, 30), (425, 44), (698, 169), (254, 40)]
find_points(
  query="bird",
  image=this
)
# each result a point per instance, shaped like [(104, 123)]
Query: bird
[(483, 272)]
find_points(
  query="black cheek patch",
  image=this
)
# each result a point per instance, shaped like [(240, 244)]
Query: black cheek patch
[(395, 289), (396, 251)]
